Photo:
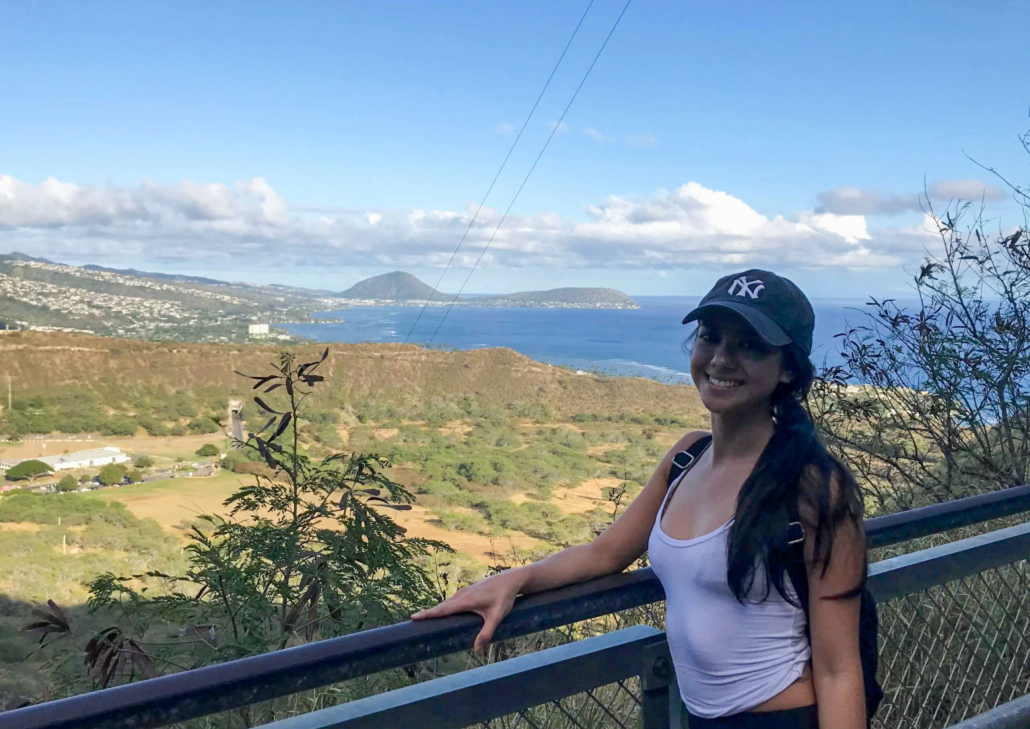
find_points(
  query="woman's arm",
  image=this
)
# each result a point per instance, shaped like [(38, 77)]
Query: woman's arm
[(833, 626), (613, 551)]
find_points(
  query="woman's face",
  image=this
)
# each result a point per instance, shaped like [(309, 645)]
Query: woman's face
[(734, 369)]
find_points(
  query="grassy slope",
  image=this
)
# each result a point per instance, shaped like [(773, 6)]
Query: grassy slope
[(405, 375), (176, 500)]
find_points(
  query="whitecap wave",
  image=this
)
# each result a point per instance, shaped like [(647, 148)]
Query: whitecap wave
[(651, 367)]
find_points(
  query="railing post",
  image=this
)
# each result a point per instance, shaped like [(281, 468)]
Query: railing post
[(656, 675)]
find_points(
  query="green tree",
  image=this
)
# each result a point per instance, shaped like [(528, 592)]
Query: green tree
[(154, 427), (135, 475), (111, 474), (119, 425), (31, 470), (234, 458), (202, 426), (306, 553), (932, 401), (208, 449), (142, 460), (67, 483)]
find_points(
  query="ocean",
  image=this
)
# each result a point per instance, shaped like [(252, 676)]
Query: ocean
[(646, 342)]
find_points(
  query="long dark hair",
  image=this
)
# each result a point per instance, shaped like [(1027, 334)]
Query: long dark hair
[(794, 465)]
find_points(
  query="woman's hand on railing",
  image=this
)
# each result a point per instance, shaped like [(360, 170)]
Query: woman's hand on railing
[(491, 599)]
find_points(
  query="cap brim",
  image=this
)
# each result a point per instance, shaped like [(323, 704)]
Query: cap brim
[(766, 327)]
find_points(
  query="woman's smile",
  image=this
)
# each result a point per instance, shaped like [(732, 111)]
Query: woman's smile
[(723, 383)]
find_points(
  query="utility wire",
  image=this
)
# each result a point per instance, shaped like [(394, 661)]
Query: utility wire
[(482, 203), (499, 171), (519, 191)]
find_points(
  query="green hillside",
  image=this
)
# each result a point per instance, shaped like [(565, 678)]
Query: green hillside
[(110, 302)]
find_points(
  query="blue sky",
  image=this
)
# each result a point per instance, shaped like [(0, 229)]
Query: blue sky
[(317, 143)]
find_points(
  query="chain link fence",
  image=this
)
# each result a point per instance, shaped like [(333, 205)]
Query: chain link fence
[(955, 650), (616, 705)]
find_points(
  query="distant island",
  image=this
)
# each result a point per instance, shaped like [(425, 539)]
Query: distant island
[(400, 288)]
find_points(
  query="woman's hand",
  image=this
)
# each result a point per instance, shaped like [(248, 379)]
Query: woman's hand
[(490, 599)]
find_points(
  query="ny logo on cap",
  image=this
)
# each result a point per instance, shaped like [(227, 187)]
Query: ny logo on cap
[(743, 287)]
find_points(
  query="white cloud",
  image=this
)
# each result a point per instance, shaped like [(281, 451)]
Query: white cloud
[(249, 223), (966, 190), (506, 128), (851, 228), (853, 201), (595, 134), (559, 127)]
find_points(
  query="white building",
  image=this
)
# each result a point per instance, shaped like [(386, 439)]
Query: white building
[(91, 458), (257, 330)]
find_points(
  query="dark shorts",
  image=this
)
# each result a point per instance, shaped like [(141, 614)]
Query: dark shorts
[(806, 717)]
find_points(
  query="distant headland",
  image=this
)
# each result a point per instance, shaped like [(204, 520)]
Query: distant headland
[(400, 288)]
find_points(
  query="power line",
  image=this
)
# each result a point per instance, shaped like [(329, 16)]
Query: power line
[(557, 125), (482, 203), (500, 170)]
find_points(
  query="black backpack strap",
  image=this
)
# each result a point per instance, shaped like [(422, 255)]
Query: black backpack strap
[(867, 621), (795, 550), (683, 460)]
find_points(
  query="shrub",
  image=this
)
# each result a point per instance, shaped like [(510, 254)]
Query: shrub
[(202, 426), (449, 493), (471, 522), (177, 430), (233, 459), (155, 428), (141, 460), (73, 510), (119, 425), (112, 473), (208, 449)]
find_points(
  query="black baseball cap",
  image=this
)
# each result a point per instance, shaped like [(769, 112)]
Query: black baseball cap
[(771, 304)]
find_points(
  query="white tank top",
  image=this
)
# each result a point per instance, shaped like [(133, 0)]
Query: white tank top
[(729, 657)]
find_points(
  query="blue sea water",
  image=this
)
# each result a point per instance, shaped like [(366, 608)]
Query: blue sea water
[(645, 342)]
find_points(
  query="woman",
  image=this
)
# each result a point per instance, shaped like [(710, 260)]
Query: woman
[(718, 538)]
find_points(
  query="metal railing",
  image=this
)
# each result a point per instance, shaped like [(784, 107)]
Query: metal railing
[(1013, 715), (938, 586)]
